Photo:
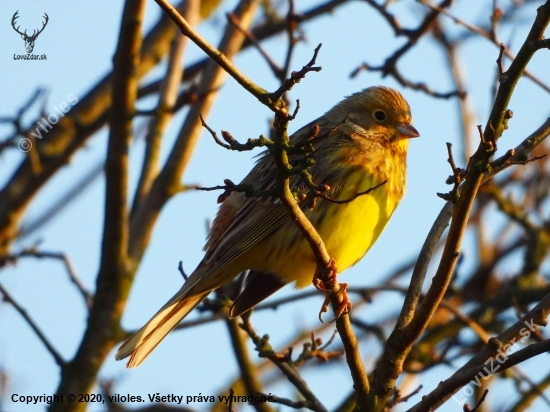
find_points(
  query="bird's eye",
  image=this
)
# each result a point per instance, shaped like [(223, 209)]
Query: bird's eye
[(380, 115)]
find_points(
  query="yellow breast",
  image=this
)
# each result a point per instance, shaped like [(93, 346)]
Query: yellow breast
[(348, 230)]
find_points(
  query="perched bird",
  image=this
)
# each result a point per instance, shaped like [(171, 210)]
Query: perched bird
[(362, 142)]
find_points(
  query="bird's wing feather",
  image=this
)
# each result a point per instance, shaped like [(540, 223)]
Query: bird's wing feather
[(255, 218), (259, 286)]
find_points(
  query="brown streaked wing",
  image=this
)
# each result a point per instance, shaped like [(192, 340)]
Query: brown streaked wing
[(257, 218)]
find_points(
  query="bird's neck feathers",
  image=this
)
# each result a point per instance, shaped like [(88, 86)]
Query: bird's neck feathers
[(387, 161)]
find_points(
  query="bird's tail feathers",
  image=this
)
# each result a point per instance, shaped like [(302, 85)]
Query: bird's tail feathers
[(141, 344)]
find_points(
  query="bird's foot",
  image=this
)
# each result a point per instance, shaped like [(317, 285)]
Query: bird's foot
[(321, 284), (331, 287)]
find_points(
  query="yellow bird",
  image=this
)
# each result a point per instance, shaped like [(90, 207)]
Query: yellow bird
[(362, 142)]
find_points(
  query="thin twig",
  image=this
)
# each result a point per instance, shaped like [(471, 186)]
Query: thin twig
[(275, 68), (214, 54), (466, 407), (389, 67), (57, 357), (164, 111), (401, 399), (487, 36), (71, 271), (247, 368), (265, 350), (500, 344), (499, 62)]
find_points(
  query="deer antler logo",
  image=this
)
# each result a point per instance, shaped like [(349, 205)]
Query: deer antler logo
[(29, 40)]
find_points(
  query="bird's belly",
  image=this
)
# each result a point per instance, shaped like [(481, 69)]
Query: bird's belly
[(348, 231), (359, 224)]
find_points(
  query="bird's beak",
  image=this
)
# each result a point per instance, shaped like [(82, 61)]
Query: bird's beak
[(407, 130)]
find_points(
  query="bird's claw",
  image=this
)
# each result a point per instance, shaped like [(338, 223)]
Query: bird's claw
[(329, 289), (344, 306)]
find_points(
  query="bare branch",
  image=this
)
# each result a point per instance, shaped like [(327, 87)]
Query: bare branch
[(163, 113), (57, 357), (501, 344), (275, 68), (249, 373), (33, 252), (487, 36), (478, 404), (214, 54), (265, 350)]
